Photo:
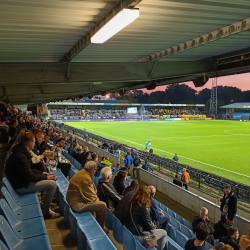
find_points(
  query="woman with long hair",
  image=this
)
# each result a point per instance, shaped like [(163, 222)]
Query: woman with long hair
[(134, 185), (19, 128), (137, 218)]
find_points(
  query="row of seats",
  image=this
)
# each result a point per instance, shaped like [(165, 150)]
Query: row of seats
[(22, 225)]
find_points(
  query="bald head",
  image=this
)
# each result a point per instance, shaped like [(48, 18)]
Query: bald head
[(153, 190), (203, 212)]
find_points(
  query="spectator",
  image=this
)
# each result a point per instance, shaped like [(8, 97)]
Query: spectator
[(118, 166), (127, 193), (147, 167), (62, 163), (107, 162), (116, 149), (147, 146), (128, 160), (106, 191), (226, 247), (105, 145), (40, 144), (203, 217), (111, 151), (86, 158), (74, 154), (137, 218), (99, 165), (176, 158), (229, 203), (159, 220), (133, 152), (71, 149), (13, 139), (136, 163), (4, 111), (82, 194), (185, 178), (220, 228), (78, 156), (121, 169), (231, 238), (119, 182), (176, 181), (13, 127), (26, 180), (245, 241)]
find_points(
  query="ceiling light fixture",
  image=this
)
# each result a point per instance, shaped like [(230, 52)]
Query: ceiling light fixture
[(117, 23)]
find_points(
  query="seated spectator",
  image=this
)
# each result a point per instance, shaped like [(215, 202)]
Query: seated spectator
[(203, 217), (202, 232), (40, 144), (175, 158), (147, 167), (87, 157), (137, 218), (226, 247), (78, 156), (231, 238), (118, 166), (82, 194), (220, 228), (71, 149), (128, 160), (13, 127), (245, 241), (74, 154), (159, 220), (107, 162), (127, 193), (136, 163), (185, 178), (106, 191), (62, 163), (121, 169), (20, 128), (176, 181), (119, 180), (26, 180), (4, 111), (99, 167)]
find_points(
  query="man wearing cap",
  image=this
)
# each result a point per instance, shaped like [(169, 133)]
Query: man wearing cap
[(82, 193)]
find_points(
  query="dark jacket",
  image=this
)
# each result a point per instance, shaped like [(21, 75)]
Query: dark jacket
[(39, 148), (136, 161), (141, 218), (3, 109), (75, 154), (99, 168), (154, 213), (12, 131), (232, 205), (70, 150), (190, 245), (116, 146), (231, 242), (120, 208), (220, 229), (118, 185), (107, 193), (18, 168), (197, 220), (147, 167), (177, 182)]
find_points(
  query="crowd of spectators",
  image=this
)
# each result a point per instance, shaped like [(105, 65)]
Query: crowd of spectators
[(173, 112)]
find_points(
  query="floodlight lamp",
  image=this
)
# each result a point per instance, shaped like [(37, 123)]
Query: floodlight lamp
[(117, 23)]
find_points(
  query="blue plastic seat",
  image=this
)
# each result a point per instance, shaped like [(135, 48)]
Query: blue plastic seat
[(20, 200), (66, 213), (129, 241), (109, 224), (86, 232), (188, 224), (179, 218), (208, 246), (140, 247), (72, 171), (23, 229), (181, 239), (22, 213), (14, 243), (156, 202), (3, 246), (163, 208), (186, 231), (61, 202), (101, 243), (172, 246), (117, 232), (171, 213), (175, 224), (171, 232)]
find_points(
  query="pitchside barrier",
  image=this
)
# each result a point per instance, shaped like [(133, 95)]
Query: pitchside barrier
[(201, 177)]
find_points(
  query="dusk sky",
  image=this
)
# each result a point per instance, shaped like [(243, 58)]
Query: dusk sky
[(241, 81)]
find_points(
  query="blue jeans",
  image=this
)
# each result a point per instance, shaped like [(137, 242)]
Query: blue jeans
[(163, 223), (116, 153)]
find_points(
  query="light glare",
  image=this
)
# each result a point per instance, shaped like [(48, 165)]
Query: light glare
[(117, 23)]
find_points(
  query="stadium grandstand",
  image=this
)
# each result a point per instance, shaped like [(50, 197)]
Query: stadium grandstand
[(67, 188), (237, 111)]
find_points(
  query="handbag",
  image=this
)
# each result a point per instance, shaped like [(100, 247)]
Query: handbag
[(149, 240)]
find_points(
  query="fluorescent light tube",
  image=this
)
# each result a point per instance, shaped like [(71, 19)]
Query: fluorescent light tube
[(117, 23)]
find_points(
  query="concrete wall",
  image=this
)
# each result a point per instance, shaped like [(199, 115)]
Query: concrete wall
[(101, 153), (190, 200)]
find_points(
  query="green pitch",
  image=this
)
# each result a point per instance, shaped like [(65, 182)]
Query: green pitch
[(219, 147)]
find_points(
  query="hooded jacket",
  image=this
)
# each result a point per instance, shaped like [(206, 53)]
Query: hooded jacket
[(232, 205), (220, 229), (18, 168)]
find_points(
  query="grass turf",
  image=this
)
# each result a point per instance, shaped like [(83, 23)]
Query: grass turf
[(219, 147)]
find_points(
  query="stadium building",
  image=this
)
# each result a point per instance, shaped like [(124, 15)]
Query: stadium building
[(238, 111)]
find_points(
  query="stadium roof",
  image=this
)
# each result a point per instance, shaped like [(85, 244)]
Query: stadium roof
[(239, 105), (46, 54)]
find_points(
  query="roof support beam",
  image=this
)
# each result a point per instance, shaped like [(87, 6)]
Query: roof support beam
[(85, 40), (40, 73), (198, 41)]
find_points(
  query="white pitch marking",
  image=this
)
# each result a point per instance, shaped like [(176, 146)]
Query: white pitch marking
[(226, 131), (169, 153)]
